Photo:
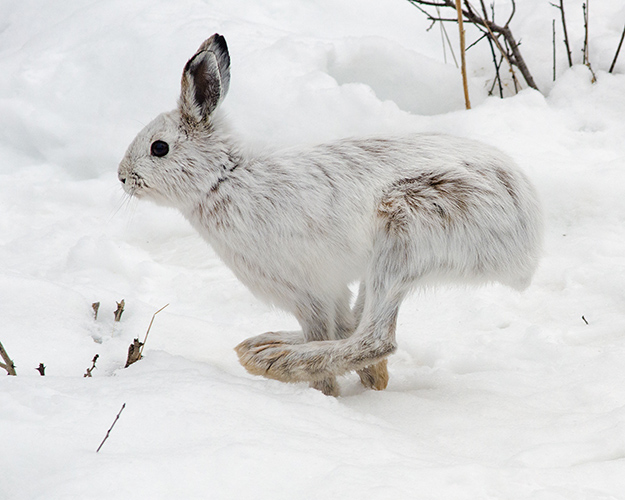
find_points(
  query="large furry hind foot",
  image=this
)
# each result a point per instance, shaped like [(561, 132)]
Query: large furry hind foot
[(278, 357), (270, 338), (375, 376)]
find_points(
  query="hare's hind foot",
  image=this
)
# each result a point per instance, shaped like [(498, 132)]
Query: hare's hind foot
[(375, 376), (318, 363), (280, 358), (259, 354)]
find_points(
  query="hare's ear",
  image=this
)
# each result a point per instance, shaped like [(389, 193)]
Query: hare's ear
[(205, 80)]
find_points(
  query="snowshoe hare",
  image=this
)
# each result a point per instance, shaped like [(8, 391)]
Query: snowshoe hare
[(297, 227)]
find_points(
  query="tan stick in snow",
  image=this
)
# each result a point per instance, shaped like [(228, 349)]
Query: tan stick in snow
[(463, 60)]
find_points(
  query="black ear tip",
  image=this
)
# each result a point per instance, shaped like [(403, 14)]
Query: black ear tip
[(220, 41)]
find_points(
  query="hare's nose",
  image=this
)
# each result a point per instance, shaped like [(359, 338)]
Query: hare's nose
[(122, 178)]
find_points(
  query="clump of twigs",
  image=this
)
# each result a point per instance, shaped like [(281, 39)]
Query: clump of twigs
[(135, 350), (499, 36), (586, 44), (89, 370), (8, 364), (41, 369)]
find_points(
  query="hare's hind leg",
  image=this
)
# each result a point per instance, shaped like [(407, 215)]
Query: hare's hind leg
[(321, 319), (371, 343)]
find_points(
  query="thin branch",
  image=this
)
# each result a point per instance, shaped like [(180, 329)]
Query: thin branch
[(8, 364), (585, 8), (585, 48), (618, 49), (473, 44), (553, 41), (463, 61), (111, 428), (498, 77), (89, 370), (566, 34), (492, 51)]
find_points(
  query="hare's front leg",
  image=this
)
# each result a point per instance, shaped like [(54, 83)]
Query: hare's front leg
[(374, 376)]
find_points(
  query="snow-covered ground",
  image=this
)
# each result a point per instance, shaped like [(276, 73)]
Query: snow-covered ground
[(493, 393)]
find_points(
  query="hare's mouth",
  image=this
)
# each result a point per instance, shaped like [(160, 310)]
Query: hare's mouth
[(133, 184)]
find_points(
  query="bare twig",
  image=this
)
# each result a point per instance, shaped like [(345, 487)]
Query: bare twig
[(89, 370), (553, 41), (41, 369), (111, 428), (96, 307), (8, 364), (618, 49), (492, 51), (586, 51), (585, 48), (120, 309), (566, 35), (585, 320), (463, 61)]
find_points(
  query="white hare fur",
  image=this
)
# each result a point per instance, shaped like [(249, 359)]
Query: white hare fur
[(297, 227)]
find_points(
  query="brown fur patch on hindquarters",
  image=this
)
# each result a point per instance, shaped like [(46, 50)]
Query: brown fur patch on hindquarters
[(440, 197), (375, 376)]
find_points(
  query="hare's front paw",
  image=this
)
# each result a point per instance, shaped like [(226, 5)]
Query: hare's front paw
[(375, 376), (279, 357)]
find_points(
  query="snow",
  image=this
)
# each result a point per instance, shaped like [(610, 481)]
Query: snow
[(493, 393)]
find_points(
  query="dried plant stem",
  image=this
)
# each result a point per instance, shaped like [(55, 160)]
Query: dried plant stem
[(111, 428), (120, 310), (149, 327), (8, 364), (463, 60), (96, 307), (135, 350)]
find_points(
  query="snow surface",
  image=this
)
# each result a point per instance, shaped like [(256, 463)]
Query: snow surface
[(493, 394)]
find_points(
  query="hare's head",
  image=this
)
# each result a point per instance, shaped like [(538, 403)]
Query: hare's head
[(182, 153)]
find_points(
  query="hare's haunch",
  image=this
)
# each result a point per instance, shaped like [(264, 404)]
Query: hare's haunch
[(298, 227)]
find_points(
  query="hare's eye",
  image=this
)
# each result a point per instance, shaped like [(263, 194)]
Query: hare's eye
[(159, 148)]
